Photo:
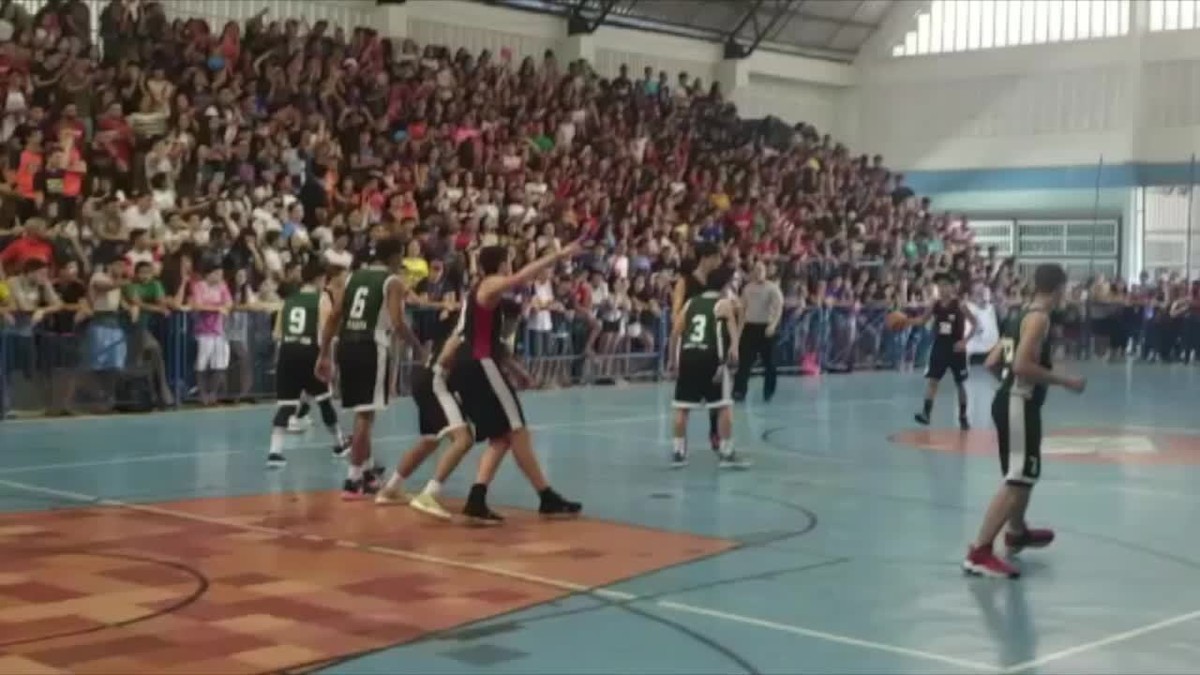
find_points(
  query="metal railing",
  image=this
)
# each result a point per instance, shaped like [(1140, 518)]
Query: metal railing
[(117, 365)]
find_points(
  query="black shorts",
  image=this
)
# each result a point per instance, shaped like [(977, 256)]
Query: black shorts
[(488, 399), (364, 375), (703, 382), (295, 375), (942, 360), (438, 409), (1019, 432)]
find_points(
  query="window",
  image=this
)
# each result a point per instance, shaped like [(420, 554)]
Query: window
[(967, 25), (1174, 15)]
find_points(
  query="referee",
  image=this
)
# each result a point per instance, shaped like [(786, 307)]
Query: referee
[(762, 304)]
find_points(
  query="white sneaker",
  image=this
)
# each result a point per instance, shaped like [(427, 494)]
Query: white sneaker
[(299, 425), (733, 461), (391, 496), (428, 504)]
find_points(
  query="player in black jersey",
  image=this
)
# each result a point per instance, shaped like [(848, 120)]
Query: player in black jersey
[(1021, 360), (488, 398), (296, 329), (692, 283), (439, 415), (949, 318)]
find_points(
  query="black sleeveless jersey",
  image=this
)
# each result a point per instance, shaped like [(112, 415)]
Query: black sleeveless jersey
[(479, 328), (949, 324)]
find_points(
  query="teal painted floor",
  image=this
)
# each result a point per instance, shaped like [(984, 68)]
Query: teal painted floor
[(850, 542)]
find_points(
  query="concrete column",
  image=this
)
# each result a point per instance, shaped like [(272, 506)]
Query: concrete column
[(392, 20), (575, 47)]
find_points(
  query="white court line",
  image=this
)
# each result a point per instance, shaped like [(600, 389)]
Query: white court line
[(828, 637), (138, 459), (560, 584), (1104, 642)]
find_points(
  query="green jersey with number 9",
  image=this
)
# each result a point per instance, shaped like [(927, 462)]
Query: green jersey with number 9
[(364, 316), (1010, 337), (299, 317), (703, 330)]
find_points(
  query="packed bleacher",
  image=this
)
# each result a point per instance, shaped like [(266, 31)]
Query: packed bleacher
[(170, 165)]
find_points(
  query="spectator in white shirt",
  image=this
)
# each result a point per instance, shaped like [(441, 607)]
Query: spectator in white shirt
[(142, 214)]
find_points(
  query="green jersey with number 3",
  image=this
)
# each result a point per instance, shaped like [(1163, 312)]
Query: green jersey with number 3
[(300, 316), (1010, 337), (703, 330), (364, 315)]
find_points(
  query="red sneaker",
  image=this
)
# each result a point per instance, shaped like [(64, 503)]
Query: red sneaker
[(981, 561), (1030, 538)]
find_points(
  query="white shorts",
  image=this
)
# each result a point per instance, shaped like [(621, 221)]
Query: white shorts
[(212, 353)]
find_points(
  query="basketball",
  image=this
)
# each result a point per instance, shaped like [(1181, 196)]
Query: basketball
[(896, 321)]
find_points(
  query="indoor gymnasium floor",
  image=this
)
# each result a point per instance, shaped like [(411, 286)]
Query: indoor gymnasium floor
[(160, 543)]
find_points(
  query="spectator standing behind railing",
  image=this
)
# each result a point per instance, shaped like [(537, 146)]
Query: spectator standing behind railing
[(31, 245), (32, 298), (762, 304), (147, 298), (107, 349), (210, 301), (62, 332)]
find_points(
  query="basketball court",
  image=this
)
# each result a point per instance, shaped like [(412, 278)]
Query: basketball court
[(160, 543)]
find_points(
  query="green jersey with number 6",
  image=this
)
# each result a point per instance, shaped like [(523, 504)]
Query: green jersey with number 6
[(703, 331), (364, 315), (300, 316), (1010, 337)]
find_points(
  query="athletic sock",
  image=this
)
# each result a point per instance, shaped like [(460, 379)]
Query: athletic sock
[(679, 445), (395, 481), (276, 441), (928, 406), (355, 472), (726, 448), (432, 488)]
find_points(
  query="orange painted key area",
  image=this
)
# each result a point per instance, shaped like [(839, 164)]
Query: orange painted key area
[(270, 582)]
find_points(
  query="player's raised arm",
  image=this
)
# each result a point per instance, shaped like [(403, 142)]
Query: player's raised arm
[(493, 287)]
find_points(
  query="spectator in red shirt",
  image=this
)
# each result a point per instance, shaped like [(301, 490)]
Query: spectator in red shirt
[(31, 245)]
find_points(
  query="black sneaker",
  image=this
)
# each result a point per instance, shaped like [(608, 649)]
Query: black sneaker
[(554, 506), (679, 460), (354, 490), (478, 513), (922, 419), (964, 424), (276, 460), (341, 448)]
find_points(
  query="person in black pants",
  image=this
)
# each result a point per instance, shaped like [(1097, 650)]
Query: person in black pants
[(762, 304)]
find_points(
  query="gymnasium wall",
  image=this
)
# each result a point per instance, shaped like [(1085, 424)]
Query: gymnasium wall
[(1087, 128)]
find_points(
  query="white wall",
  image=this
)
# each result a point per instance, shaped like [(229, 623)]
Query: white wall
[(789, 87), (1130, 99)]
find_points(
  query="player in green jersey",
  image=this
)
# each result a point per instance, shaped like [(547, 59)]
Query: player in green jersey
[(297, 327), (367, 316), (704, 343)]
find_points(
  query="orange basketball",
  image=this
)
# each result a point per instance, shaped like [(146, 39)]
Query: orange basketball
[(896, 321)]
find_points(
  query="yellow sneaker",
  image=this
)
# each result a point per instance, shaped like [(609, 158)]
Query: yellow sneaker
[(391, 496), (428, 504)]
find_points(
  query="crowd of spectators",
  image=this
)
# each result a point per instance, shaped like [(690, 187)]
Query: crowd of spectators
[(172, 166)]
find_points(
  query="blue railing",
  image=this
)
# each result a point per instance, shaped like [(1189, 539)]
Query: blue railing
[(98, 366)]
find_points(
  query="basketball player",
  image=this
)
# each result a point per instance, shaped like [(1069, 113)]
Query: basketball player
[(690, 285), (366, 317), (335, 280), (1022, 360), (949, 317), (296, 328), (439, 416), (704, 342), (488, 398)]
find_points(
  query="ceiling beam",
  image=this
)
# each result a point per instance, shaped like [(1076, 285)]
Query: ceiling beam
[(735, 49)]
